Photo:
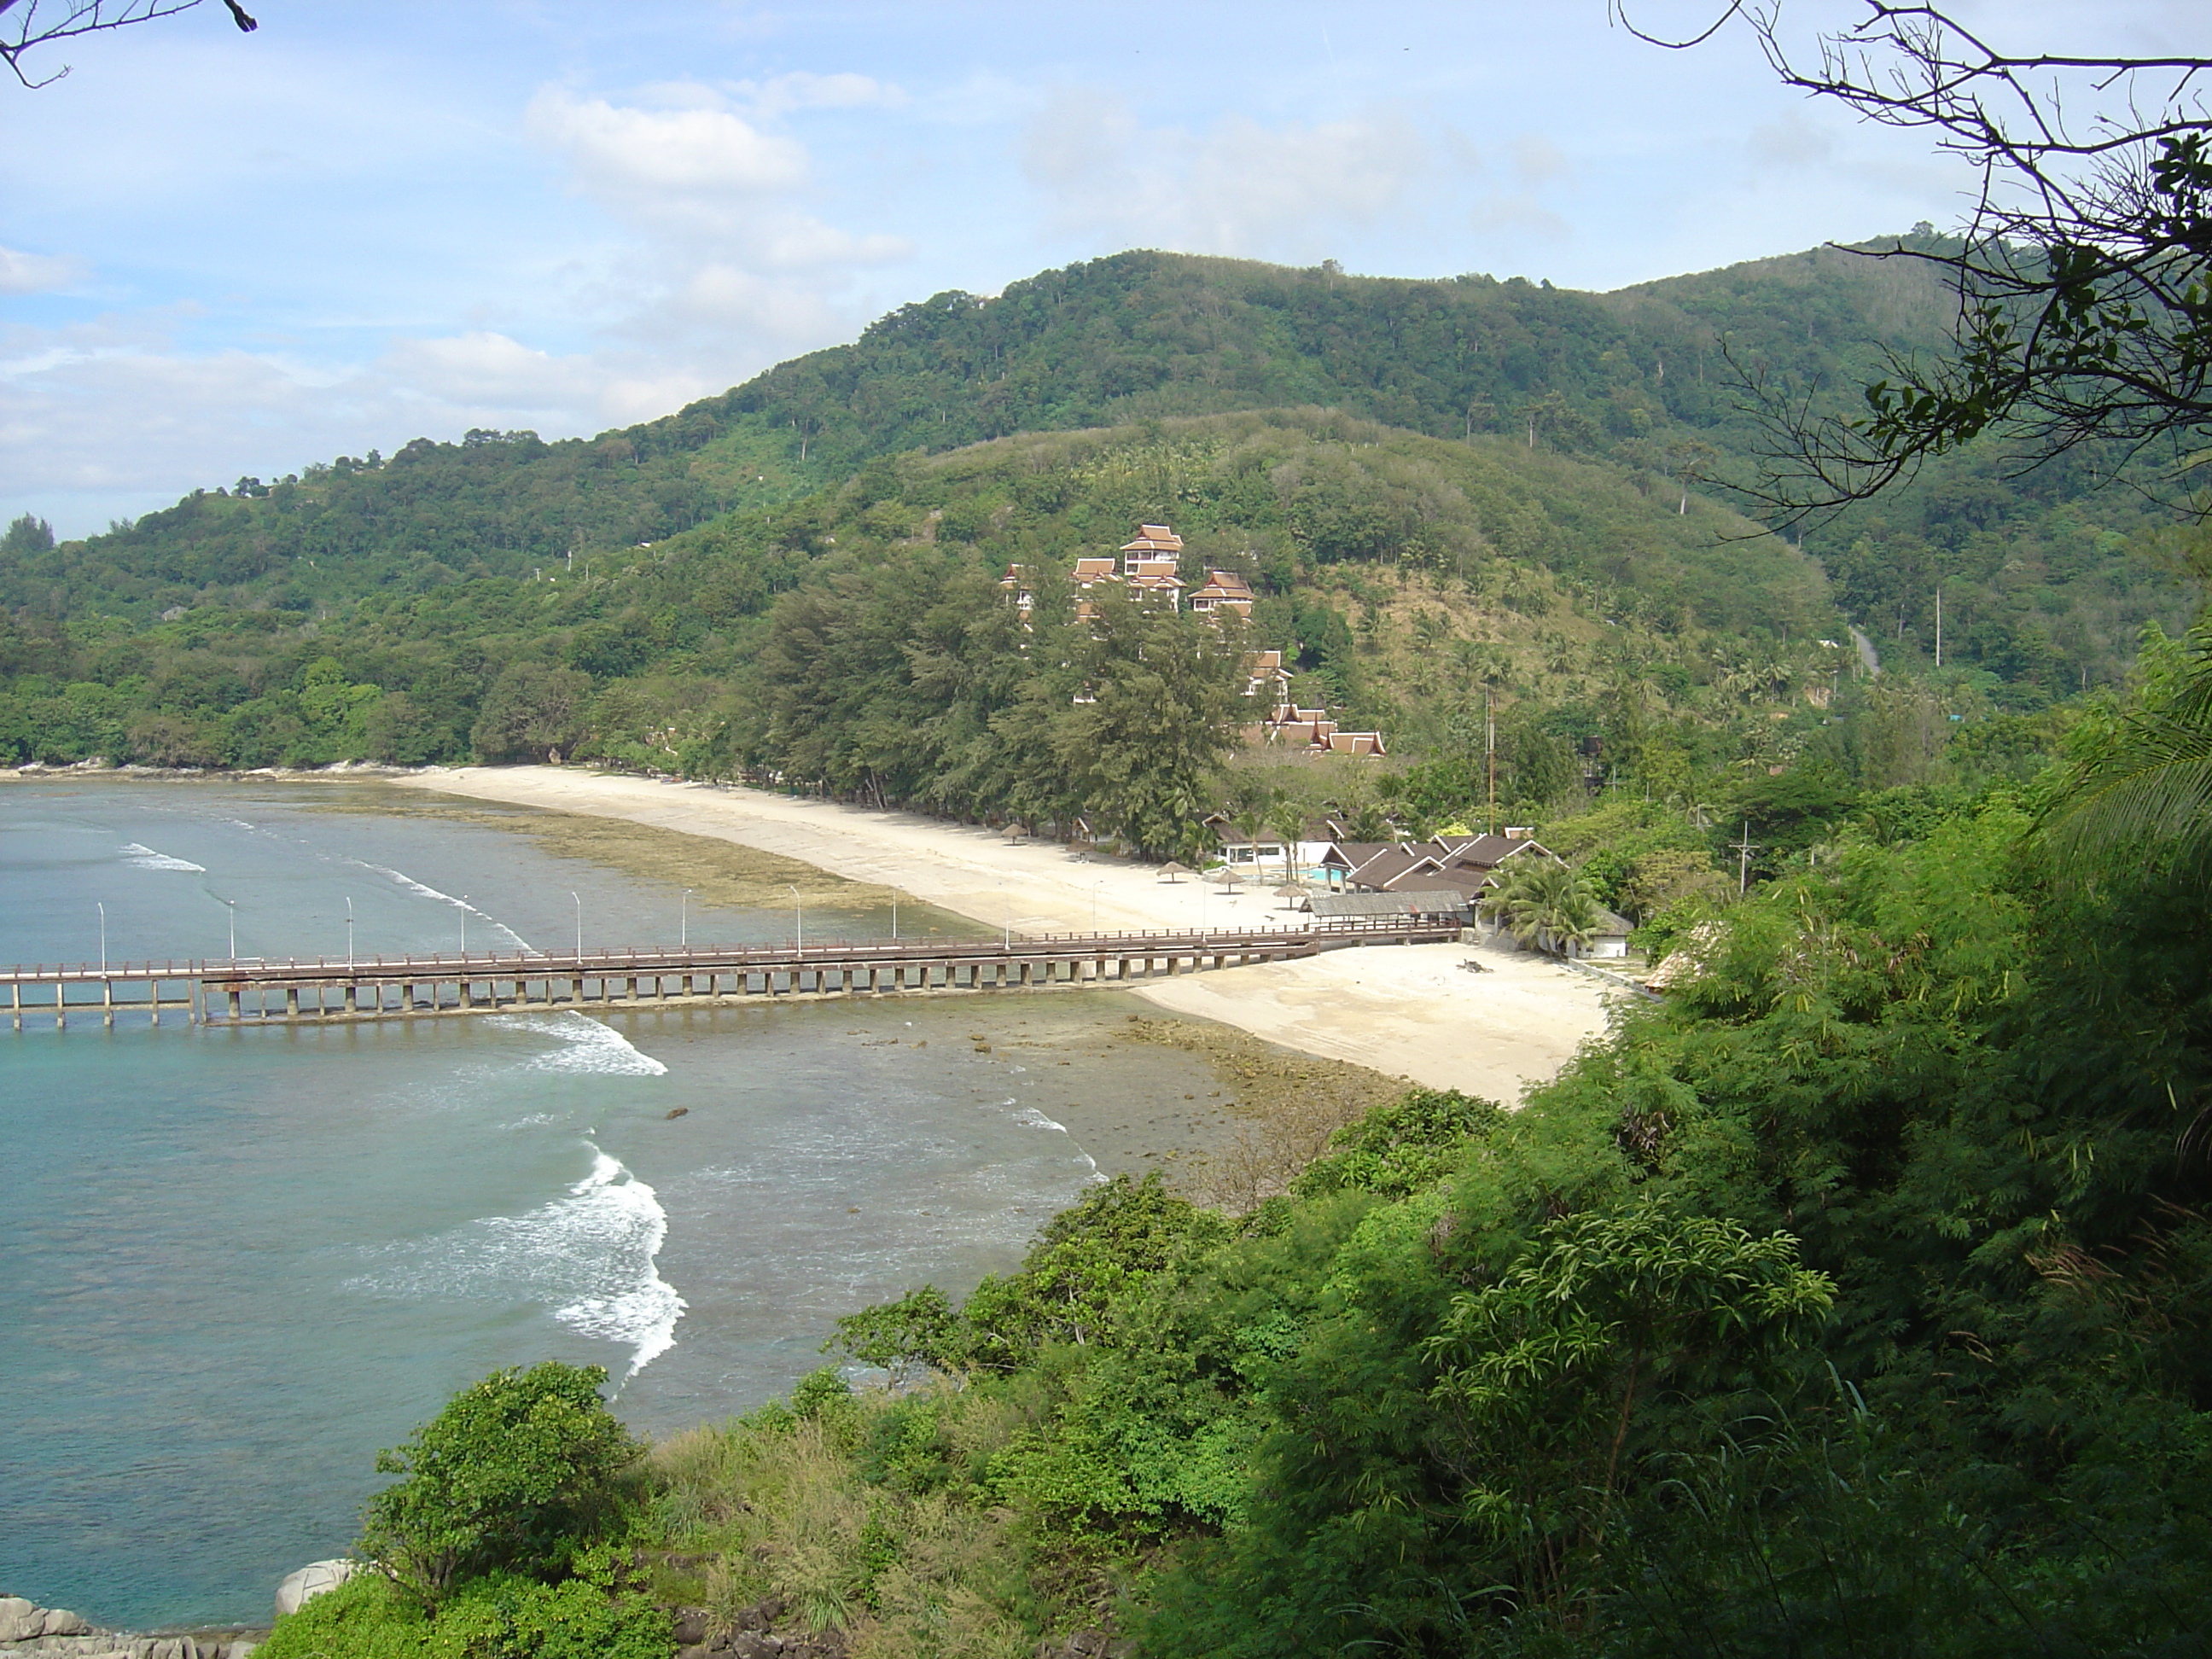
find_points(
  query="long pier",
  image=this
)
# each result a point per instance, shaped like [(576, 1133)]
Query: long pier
[(219, 992)]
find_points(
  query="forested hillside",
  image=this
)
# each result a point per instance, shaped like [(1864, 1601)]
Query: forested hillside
[(2044, 584), (858, 638)]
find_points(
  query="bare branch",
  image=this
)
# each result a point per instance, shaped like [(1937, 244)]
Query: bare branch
[(28, 25), (2083, 270)]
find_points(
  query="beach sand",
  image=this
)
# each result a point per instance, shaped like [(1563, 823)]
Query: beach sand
[(1408, 1011)]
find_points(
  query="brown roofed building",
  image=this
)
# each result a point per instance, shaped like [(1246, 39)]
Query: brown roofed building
[(1224, 589), (1154, 541)]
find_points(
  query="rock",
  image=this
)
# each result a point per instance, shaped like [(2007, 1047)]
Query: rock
[(20, 1620), (309, 1582), (689, 1627), (676, 1111), (753, 1644)]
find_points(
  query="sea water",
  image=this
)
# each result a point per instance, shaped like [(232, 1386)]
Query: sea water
[(235, 1262)]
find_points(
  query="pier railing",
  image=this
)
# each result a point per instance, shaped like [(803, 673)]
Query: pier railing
[(253, 990)]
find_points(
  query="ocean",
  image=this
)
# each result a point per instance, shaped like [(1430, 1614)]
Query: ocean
[(236, 1262)]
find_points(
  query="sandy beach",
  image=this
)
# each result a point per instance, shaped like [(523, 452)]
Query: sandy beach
[(1411, 1012)]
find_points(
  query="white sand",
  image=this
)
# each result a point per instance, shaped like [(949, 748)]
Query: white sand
[(1407, 1011)]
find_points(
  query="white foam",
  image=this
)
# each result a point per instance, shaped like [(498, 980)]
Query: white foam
[(589, 1255), (145, 858), (642, 1313), (421, 891), (1030, 1118), (592, 1048)]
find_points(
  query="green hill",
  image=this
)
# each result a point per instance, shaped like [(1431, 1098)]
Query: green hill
[(2044, 585)]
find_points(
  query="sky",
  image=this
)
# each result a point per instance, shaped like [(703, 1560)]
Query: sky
[(226, 255)]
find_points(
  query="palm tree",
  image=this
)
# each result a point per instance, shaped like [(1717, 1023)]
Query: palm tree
[(1551, 906), (1287, 818), (2152, 779)]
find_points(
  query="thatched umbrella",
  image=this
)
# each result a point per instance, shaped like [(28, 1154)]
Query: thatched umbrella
[(1224, 876), (1291, 891), (1172, 872), (1015, 832)]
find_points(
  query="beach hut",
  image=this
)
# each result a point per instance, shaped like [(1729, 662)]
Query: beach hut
[(1172, 871)]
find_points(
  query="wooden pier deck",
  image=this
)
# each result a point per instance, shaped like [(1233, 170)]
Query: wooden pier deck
[(217, 992)]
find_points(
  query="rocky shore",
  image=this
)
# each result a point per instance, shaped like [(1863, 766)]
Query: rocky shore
[(30, 1632)]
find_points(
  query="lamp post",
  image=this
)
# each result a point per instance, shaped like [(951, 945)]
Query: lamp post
[(348, 930), (464, 926), (232, 903), (798, 906), (102, 908), (894, 916), (684, 920), (579, 924)]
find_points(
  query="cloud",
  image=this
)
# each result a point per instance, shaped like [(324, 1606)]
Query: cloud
[(1793, 142), (1239, 187), (725, 260), (119, 415), (621, 155), (484, 369), (35, 273), (801, 89)]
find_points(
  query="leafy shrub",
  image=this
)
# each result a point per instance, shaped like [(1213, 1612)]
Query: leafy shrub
[(513, 1475), (504, 1616), (1399, 1148)]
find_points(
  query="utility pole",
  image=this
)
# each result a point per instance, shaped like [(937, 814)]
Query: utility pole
[(1490, 750), (1743, 851)]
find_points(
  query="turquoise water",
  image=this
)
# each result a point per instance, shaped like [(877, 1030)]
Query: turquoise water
[(236, 1262)]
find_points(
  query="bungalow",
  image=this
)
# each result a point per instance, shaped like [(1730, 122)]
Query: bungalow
[(1429, 906), (1608, 939), (1312, 730), (1224, 589)]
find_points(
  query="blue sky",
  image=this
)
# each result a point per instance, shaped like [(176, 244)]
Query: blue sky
[(224, 254)]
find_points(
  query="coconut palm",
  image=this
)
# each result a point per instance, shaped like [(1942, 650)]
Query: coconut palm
[(1287, 817), (1551, 906), (2151, 781)]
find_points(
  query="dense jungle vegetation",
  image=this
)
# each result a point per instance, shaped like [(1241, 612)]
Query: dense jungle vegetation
[(2045, 576), (857, 638), (1852, 1300)]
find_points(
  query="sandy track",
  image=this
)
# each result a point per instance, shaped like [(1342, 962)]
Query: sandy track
[(1407, 1011)]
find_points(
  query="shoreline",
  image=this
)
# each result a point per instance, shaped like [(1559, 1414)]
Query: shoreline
[(1407, 1011)]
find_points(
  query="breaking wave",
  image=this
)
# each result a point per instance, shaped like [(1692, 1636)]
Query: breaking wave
[(145, 858), (589, 1047), (403, 879), (588, 1255)]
